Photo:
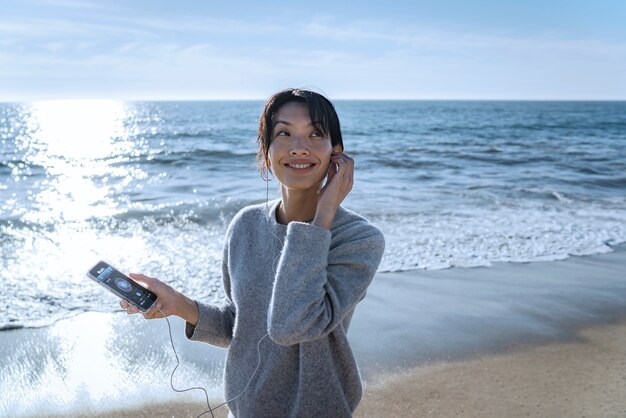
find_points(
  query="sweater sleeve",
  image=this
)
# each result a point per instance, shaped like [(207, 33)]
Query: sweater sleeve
[(215, 322), (316, 287)]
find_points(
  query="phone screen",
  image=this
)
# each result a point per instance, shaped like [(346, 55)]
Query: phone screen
[(122, 285)]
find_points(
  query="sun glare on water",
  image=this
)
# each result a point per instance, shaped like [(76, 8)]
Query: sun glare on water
[(79, 129), (72, 141), (75, 146)]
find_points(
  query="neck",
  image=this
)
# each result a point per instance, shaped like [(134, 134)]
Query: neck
[(299, 206)]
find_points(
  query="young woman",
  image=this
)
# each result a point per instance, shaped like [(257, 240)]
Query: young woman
[(293, 271)]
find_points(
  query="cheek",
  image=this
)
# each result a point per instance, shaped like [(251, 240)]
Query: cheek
[(326, 163)]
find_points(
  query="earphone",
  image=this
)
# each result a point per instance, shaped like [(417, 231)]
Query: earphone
[(169, 328), (206, 395)]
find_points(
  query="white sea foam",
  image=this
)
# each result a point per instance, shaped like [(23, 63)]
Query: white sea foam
[(478, 237), (44, 279)]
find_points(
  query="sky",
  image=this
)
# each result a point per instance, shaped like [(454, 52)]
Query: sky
[(198, 50)]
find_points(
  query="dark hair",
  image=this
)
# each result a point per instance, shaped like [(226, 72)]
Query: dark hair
[(321, 111)]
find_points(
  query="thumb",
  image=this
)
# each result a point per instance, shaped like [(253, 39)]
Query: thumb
[(145, 281)]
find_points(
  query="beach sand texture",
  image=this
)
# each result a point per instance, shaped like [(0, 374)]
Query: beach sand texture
[(544, 339), (586, 378)]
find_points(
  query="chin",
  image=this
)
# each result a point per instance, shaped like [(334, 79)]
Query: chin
[(301, 185)]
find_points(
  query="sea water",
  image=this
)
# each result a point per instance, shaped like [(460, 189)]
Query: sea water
[(152, 186)]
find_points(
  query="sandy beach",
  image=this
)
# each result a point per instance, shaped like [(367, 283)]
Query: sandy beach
[(542, 339), (586, 378)]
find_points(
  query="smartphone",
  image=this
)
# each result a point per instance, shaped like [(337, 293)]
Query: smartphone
[(123, 286)]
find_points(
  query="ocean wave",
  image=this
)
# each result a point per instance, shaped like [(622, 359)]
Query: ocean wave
[(356, 132), (201, 133), (186, 157), (406, 163), (177, 214), (13, 222), (184, 242), (585, 170), (548, 194), (147, 212), (510, 161), (479, 238), (11, 327), (21, 167), (600, 182)]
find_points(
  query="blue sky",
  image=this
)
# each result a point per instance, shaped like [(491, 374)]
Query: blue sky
[(478, 49)]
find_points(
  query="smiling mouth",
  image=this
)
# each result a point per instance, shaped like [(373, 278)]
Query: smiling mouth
[(300, 166)]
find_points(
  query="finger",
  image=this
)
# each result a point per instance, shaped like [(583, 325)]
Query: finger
[(346, 166), (154, 309), (132, 309), (153, 314), (336, 162), (349, 173), (342, 157), (144, 280), (342, 166), (345, 171), (343, 154), (351, 176)]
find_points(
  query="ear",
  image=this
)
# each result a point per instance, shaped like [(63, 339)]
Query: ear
[(338, 148)]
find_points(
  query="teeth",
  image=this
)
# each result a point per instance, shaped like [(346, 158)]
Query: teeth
[(300, 165)]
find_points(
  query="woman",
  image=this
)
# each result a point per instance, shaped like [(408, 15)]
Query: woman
[(293, 271)]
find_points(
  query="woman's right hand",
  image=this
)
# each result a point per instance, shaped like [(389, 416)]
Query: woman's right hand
[(169, 301)]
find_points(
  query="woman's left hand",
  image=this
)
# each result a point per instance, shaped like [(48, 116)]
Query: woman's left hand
[(338, 185)]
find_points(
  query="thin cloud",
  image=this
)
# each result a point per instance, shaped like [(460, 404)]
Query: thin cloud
[(50, 28), (451, 41), (73, 4), (198, 56), (111, 25), (199, 25)]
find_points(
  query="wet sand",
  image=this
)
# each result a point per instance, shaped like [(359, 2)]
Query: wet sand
[(536, 339), (585, 378)]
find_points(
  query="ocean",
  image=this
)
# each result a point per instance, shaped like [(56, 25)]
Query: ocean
[(152, 186)]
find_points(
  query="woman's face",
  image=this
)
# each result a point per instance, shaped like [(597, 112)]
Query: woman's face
[(299, 154)]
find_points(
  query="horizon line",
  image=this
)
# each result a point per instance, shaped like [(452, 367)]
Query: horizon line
[(262, 99)]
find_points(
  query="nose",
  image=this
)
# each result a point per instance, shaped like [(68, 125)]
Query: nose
[(299, 146)]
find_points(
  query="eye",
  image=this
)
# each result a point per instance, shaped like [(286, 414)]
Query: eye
[(282, 133), (317, 134)]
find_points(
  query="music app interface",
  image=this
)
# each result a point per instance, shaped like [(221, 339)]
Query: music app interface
[(123, 286)]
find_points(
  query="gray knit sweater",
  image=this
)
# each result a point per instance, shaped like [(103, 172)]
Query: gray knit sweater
[(299, 283)]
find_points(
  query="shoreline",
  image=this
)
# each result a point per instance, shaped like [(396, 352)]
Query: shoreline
[(615, 248), (418, 317), (412, 327)]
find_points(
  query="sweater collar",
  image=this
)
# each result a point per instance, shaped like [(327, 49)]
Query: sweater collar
[(273, 206), (271, 214)]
